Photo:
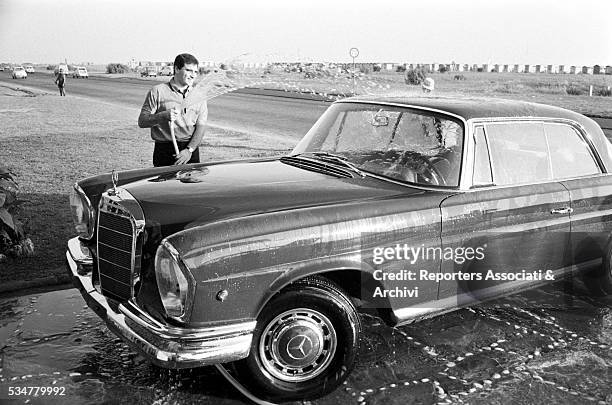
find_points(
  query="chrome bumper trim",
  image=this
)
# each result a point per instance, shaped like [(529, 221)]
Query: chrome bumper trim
[(166, 346)]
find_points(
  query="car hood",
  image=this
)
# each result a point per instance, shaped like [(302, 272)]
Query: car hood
[(198, 195)]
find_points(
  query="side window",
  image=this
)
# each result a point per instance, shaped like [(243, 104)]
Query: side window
[(482, 162), (569, 153), (519, 153)]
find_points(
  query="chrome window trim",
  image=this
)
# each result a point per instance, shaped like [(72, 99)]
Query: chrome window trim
[(548, 152), (475, 122), (473, 161), (466, 129), (482, 188), (576, 125), (402, 105)]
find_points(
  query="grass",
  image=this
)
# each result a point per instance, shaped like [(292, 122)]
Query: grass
[(49, 142)]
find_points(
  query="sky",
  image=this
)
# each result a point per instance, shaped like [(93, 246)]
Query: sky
[(577, 32)]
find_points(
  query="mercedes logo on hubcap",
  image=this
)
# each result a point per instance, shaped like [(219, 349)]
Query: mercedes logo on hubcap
[(299, 347)]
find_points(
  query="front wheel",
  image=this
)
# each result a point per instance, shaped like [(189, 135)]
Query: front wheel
[(305, 343)]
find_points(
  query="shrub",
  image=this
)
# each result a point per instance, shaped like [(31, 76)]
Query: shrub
[(605, 92), (116, 68), (459, 77), (504, 88), (12, 236), (400, 68), (51, 67), (573, 90), (415, 76), (442, 69), (376, 68)]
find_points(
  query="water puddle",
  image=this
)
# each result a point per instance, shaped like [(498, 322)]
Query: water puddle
[(541, 344)]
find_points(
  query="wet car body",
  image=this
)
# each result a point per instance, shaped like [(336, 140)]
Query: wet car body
[(270, 256)]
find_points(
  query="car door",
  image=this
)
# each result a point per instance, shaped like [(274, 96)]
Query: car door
[(574, 162), (512, 225)]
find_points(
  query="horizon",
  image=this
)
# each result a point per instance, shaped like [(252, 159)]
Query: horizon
[(473, 32)]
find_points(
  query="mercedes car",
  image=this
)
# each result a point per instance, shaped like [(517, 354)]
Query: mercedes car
[(408, 206)]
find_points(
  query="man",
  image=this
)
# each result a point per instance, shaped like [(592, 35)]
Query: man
[(175, 104), (61, 82)]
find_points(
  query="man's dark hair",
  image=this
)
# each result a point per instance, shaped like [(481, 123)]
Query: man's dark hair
[(184, 59)]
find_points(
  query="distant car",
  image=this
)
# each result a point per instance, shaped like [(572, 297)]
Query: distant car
[(80, 72), (260, 262), (19, 72), (29, 68), (166, 71), (149, 71)]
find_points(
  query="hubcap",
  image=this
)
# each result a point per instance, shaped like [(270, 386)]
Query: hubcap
[(297, 345)]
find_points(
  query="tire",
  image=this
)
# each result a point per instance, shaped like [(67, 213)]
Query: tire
[(305, 343), (599, 281)]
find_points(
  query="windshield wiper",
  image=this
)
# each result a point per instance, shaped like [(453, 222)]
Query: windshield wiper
[(330, 157)]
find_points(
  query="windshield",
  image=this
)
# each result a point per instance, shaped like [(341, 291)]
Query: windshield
[(404, 144)]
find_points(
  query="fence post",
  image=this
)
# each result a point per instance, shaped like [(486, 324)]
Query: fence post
[(591, 90)]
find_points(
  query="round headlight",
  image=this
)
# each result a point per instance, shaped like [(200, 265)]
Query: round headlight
[(82, 213)]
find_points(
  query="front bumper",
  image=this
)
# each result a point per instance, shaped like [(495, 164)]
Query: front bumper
[(166, 346)]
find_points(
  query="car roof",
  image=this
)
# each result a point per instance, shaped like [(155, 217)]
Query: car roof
[(469, 107)]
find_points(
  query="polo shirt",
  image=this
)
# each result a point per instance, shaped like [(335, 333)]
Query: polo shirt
[(191, 104)]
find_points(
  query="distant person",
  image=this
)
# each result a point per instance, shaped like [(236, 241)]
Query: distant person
[(174, 103), (428, 85), (61, 82)]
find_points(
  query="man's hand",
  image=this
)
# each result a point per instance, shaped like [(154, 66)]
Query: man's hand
[(170, 115), (183, 157)]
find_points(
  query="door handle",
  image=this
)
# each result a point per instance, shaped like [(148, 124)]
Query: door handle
[(563, 211)]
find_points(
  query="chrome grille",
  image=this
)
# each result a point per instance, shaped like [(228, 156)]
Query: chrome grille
[(120, 221)]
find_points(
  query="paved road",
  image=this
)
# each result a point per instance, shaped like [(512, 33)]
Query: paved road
[(243, 112)]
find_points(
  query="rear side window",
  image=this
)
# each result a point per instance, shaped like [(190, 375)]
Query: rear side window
[(519, 153), (570, 155)]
